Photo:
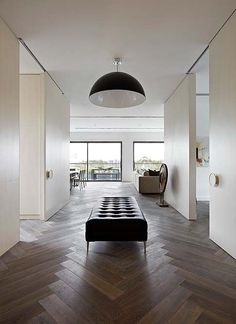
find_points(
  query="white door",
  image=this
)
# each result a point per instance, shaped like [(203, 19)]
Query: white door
[(223, 137)]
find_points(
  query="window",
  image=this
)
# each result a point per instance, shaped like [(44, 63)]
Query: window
[(101, 160), (78, 156), (148, 155)]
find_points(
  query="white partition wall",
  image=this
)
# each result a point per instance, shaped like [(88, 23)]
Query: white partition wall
[(180, 143), (9, 139), (57, 136), (45, 138), (31, 132), (223, 137)]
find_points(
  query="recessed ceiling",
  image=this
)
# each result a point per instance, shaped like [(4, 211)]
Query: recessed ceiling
[(76, 41), (115, 123)]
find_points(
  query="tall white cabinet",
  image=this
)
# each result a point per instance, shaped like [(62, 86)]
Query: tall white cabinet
[(44, 147)]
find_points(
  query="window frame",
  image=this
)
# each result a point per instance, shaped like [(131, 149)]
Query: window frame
[(109, 142)]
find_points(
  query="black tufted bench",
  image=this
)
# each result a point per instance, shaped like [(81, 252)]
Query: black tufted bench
[(116, 219)]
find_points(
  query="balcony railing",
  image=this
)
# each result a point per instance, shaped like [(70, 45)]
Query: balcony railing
[(99, 171), (147, 165)]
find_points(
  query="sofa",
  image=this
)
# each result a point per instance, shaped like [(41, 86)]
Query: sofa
[(145, 183)]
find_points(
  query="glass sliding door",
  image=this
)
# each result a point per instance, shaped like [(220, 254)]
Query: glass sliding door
[(101, 160), (104, 161)]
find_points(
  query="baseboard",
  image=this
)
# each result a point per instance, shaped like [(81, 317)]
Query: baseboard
[(219, 244), (30, 216), (203, 198), (53, 211), (8, 247)]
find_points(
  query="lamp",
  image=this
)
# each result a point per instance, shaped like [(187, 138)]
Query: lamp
[(117, 90)]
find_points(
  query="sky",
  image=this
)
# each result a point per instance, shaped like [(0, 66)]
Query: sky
[(111, 151), (97, 151), (154, 151)]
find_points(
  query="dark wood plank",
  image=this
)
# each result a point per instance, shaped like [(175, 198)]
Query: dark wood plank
[(163, 311), (58, 310), (184, 277)]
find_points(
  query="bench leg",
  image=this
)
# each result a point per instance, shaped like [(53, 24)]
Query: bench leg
[(87, 246), (144, 244)]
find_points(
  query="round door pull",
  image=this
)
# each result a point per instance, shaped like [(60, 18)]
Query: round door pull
[(213, 180), (49, 174)]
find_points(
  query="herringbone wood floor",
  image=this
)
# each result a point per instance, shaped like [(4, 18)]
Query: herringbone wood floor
[(184, 277)]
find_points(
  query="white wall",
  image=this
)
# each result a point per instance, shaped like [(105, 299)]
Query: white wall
[(202, 123), (223, 137), (9, 139), (202, 183), (180, 143), (127, 145), (30, 145), (57, 137)]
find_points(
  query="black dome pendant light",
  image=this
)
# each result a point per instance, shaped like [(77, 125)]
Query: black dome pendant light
[(117, 90)]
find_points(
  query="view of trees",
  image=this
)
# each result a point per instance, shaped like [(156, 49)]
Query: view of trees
[(104, 159), (148, 155)]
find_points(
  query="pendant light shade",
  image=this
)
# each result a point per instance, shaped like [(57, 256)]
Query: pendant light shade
[(117, 90)]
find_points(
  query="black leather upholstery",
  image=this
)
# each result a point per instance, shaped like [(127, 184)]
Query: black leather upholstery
[(116, 219)]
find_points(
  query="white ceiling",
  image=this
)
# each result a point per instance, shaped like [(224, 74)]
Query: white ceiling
[(76, 41)]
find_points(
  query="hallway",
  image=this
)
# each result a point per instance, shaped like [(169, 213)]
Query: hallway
[(184, 277)]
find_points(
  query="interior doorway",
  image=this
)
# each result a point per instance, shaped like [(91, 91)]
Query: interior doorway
[(202, 135)]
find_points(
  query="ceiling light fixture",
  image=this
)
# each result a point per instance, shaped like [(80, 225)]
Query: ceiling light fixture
[(117, 90)]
